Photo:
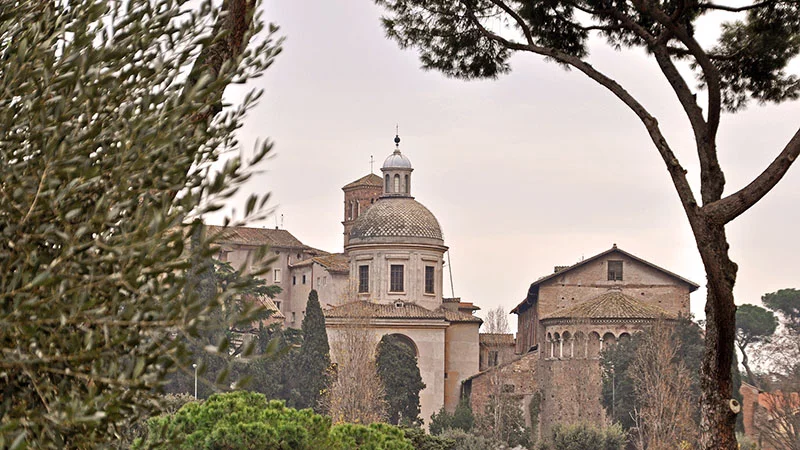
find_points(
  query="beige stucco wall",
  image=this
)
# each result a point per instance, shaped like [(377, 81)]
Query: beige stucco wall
[(429, 338), (461, 360), (379, 258)]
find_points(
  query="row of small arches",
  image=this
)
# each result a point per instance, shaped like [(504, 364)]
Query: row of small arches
[(396, 187), (567, 345)]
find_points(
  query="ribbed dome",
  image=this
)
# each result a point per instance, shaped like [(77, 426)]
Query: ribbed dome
[(397, 161), (396, 217)]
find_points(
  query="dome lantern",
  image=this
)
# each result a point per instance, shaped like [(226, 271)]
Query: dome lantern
[(397, 173)]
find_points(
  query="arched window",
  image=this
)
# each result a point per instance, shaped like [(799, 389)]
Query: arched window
[(569, 351), (408, 186), (386, 188), (397, 184)]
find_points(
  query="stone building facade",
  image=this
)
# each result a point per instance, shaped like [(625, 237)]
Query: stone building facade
[(395, 248), (566, 320)]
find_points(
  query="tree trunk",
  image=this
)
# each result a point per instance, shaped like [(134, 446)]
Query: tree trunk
[(718, 420), (750, 377)]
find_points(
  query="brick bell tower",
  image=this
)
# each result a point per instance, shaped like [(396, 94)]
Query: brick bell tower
[(358, 197)]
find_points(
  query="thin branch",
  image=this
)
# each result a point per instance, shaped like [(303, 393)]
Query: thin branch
[(730, 207), (36, 197), (734, 9), (677, 172)]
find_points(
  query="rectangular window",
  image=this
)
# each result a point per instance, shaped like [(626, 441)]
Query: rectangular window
[(318, 285), (363, 279), (304, 279), (429, 275), (294, 317), (276, 274), (396, 281), (615, 270), (278, 305), (492, 358), (294, 279)]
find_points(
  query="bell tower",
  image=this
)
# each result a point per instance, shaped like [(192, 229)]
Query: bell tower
[(358, 197)]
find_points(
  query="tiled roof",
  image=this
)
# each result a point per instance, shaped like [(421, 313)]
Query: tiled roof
[(497, 338), (335, 262), (366, 180), (400, 310), (611, 305), (254, 236), (270, 306), (396, 217), (458, 316), (381, 311)]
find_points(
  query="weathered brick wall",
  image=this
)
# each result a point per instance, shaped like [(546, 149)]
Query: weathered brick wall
[(571, 393), (639, 281), (364, 196), (520, 373)]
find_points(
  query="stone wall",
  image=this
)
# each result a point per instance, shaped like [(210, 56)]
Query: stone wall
[(516, 378), (571, 391), (429, 339), (639, 281), (356, 202)]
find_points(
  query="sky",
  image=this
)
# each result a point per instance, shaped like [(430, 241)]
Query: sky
[(538, 168)]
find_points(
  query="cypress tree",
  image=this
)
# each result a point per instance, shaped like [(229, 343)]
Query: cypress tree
[(314, 358), (398, 369)]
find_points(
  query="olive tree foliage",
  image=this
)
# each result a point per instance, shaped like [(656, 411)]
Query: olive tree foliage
[(110, 117), (754, 325), (756, 42)]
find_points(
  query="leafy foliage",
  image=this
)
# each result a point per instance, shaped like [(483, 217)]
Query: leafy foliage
[(423, 441), (785, 302), (464, 440), (461, 419), (313, 360), (402, 382), (584, 436), (244, 420), (754, 325), (504, 421), (462, 38), (618, 391), (105, 146)]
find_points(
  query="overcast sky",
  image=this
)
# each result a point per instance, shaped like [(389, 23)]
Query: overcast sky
[(535, 169)]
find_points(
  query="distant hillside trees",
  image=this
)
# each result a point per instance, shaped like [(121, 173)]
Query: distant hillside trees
[(754, 325)]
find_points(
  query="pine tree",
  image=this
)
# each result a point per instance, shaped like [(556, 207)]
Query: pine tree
[(398, 369), (314, 358)]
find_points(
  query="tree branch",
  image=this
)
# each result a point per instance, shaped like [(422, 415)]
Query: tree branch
[(734, 9), (676, 171), (724, 210)]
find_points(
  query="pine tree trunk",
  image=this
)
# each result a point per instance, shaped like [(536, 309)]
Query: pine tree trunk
[(718, 419)]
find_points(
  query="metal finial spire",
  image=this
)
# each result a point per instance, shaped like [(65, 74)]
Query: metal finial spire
[(371, 161), (397, 135)]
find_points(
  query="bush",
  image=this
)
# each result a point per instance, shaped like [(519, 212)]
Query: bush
[(461, 419), (424, 441), (585, 436), (245, 420), (377, 436), (463, 440)]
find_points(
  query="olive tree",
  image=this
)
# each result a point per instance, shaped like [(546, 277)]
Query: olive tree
[(111, 117), (476, 38)]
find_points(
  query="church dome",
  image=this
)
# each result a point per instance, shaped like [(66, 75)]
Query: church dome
[(397, 220), (396, 160)]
